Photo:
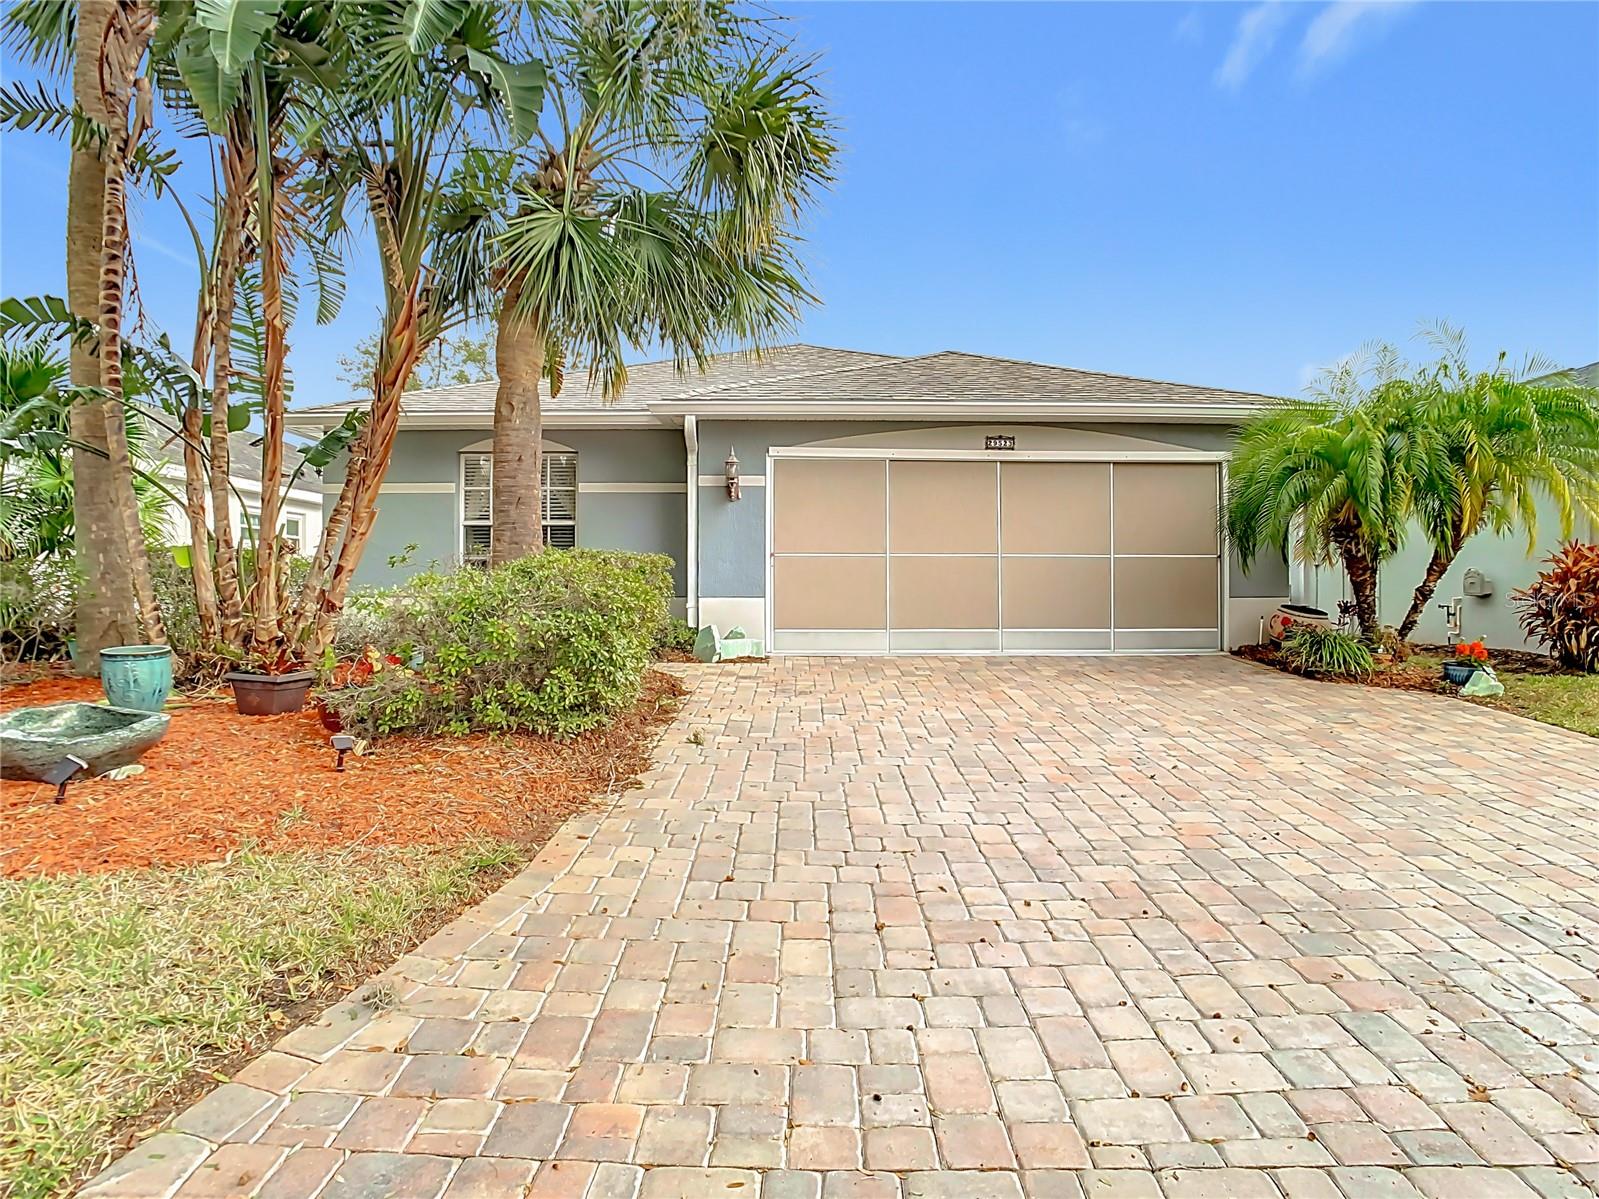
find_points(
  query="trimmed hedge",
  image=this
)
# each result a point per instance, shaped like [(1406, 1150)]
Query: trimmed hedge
[(552, 643)]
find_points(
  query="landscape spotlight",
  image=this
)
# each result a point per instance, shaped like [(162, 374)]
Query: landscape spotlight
[(61, 773)]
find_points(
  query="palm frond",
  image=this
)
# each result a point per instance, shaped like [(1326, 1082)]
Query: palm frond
[(42, 31)]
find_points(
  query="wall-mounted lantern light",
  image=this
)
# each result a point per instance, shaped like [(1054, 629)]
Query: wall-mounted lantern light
[(732, 475)]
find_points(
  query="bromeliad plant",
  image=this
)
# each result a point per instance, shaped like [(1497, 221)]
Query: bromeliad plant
[(1560, 608)]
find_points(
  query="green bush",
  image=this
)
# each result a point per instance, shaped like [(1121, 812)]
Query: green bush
[(551, 643), (676, 634), (38, 600), (1560, 608), (1315, 650)]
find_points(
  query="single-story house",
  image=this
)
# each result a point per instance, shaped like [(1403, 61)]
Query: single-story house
[(950, 502), (946, 503), (300, 513)]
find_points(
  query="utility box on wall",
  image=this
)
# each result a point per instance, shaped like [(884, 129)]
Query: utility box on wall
[(1477, 584)]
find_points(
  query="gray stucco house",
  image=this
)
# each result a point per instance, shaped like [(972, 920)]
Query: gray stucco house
[(945, 503)]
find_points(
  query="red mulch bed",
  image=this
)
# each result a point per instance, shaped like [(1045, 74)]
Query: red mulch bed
[(1413, 675), (219, 781)]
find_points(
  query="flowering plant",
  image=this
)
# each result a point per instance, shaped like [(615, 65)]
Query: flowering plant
[(354, 672), (1471, 651)]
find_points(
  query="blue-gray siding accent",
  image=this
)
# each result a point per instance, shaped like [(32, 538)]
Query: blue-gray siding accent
[(652, 522)]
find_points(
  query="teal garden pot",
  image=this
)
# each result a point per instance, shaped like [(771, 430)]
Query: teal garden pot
[(137, 676)]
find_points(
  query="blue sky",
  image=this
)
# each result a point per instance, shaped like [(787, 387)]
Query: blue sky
[(1215, 193)]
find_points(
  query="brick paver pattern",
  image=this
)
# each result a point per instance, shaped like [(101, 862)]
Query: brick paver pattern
[(922, 929)]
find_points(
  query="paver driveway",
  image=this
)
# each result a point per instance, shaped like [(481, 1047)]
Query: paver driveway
[(986, 928)]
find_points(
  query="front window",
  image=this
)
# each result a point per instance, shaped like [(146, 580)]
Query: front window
[(293, 531), (559, 495)]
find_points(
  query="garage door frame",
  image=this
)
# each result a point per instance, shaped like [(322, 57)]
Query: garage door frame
[(1217, 458)]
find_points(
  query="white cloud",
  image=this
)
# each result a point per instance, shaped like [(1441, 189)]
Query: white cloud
[(1340, 25), (1253, 39), (1190, 29)]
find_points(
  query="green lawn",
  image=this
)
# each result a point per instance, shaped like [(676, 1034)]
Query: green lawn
[(1570, 701), (115, 988)]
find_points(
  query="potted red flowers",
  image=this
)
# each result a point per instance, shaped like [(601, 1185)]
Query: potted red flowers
[(352, 673), (1470, 657)]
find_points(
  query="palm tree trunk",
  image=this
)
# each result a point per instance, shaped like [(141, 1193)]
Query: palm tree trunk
[(518, 528), (1362, 573), (195, 482), (1437, 567), (238, 178), (314, 589), (399, 350), (266, 593), (125, 45), (107, 611)]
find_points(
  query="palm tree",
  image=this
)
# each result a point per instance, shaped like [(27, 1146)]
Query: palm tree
[(418, 77), (1330, 479), (1503, 438), (126, 96), (678, 146), (78, 37)]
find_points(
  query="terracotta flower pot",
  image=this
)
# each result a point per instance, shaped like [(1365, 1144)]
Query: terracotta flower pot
[(330, 718)]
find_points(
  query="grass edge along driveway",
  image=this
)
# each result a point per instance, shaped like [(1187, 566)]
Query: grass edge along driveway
[(115, 989)]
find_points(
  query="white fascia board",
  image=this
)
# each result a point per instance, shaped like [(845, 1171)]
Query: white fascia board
[(939, 410)]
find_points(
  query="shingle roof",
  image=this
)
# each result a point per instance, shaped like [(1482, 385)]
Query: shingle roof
[(805, 374), (954, 377), (647, 382), (244, 456), (244, 459)]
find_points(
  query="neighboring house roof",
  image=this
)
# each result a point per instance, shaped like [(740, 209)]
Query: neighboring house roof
[(804, 381), (244, 464)]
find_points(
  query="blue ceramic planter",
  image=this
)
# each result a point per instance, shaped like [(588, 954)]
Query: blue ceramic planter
[(137, 676)]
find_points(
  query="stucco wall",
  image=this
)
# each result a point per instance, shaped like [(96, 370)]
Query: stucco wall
[(1503, 558), (652, 521), (733, 538)]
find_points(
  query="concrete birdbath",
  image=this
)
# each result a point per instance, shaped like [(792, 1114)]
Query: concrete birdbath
[(35, 740)]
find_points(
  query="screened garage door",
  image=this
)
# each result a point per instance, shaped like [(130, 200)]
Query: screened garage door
[(872, 555)]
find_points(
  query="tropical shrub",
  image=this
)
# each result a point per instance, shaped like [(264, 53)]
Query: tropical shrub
[(38, 600), (676, 635), (1325, 480), (1326, 653), (552, 643), (1560, 608)]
